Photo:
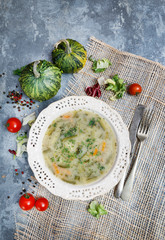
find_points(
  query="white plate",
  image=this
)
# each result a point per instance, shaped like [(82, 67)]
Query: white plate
[(47, 178)]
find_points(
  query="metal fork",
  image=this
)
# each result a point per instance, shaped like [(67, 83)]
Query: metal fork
[(142, 134)]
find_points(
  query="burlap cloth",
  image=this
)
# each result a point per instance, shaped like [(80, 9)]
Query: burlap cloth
[(142, 217)]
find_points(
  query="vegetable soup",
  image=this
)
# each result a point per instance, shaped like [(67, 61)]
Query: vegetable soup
[(79, 147)]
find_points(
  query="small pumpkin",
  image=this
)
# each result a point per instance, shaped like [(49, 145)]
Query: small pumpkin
[(69, 55), (40, 80)]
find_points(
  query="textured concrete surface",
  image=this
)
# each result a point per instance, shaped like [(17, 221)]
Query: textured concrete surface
[(28, 30)]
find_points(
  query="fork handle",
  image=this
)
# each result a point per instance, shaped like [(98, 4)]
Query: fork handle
[(119, 187), (126, 193)]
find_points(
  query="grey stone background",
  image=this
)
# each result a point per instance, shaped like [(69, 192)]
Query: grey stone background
[(28, 30)]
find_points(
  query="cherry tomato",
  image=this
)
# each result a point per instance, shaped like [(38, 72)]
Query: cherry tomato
[(27, 201), (134, 89), (13, 125), (42, 204)]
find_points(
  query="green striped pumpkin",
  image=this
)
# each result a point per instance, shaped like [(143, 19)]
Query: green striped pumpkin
[(69, 55), (40, 80)]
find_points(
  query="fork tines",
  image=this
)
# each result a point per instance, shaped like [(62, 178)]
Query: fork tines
[(146, 120)]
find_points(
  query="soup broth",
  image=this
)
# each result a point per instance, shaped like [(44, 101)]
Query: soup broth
[(79, 147)]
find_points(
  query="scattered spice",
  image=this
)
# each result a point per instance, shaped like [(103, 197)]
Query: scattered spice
[(23, 182), (16, 174), (29, 180), (23, 190), (16, 98), (16, 170), (8, 196), (22, 172), (3, 176)]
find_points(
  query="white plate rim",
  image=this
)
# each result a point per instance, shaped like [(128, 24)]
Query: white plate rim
[(48, 179)]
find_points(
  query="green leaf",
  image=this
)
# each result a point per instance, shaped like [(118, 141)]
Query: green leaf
[(96, 209), (104, 63), (120, 81), (101, 210), (110, 87), (71, 132), (100, 65), (110, 81), (21, 137), (93, 205), (18, 71), (115, 77), (52, 159), (93, 212), (99, 70), (92, 122), (94, 66), (21, 144), (117, 86)]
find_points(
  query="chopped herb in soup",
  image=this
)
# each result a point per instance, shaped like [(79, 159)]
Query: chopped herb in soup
[(79, 147)]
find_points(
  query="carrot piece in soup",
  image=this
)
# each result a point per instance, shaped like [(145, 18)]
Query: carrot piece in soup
[(66, 116), (60, 170), (103, 146), (55, 168), (95, 151)]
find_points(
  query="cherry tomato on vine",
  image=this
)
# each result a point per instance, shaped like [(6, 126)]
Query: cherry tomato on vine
[(27, 201), (134, 89), (42, 204), (13, 125)]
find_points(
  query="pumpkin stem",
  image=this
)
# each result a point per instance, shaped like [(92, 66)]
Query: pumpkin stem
[(68, 49), (36, 73)]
